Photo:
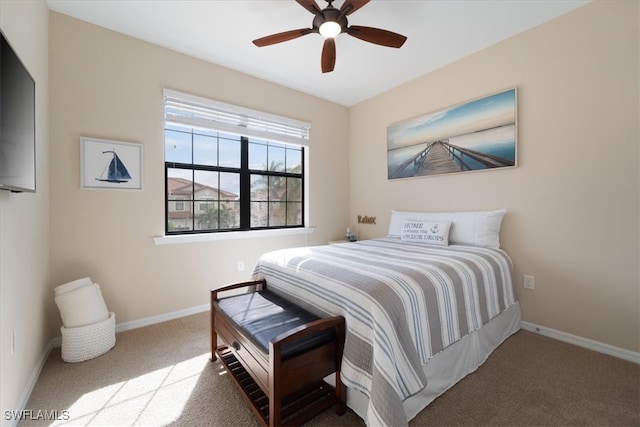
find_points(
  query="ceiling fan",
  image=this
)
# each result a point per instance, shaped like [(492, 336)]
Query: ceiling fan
[(329, 22)]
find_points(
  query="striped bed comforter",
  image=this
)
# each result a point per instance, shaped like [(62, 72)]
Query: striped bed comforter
[(403, 303)]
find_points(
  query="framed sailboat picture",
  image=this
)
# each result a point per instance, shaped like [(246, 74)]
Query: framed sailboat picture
[(110, 164)]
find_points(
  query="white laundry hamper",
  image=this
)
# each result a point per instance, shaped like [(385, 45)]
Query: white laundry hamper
[(86, 342), (88, 328)]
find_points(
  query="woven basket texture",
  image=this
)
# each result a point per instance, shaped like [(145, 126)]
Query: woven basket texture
[(86, 342)]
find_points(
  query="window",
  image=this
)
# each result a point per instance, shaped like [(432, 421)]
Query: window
[(231, 169), (206, 204)]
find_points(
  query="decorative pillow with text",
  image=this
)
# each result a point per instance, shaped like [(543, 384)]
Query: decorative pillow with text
[(428, 232), (478, 228)]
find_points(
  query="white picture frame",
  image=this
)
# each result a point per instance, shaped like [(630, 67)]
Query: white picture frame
[(107, 164)]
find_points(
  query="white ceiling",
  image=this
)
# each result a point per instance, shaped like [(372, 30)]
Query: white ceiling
[(439, 32)]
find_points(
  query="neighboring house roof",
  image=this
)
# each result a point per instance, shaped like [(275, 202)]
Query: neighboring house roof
[(181, 186)]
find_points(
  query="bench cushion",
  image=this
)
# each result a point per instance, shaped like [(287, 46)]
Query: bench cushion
[(263, 315)]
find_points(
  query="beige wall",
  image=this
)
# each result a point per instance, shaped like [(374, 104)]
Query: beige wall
[(572, 201), (25, 294), (108, 85)]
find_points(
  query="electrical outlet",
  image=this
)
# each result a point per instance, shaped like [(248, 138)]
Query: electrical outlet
[(529, 282), (240, 265)]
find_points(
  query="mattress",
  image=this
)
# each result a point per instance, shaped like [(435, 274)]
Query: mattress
[(403, 304), (451, 365)]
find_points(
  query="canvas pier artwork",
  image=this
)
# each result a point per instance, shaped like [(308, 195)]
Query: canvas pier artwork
[(110, 164), (477, 135)]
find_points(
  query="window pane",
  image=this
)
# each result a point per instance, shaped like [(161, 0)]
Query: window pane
[(229, 186), (229, 152), (180, 220), (277, 214), (202, 205), (259, 187), (177, 147), (179, 184), (277, 188), (294, 189), (294, 160), (259, 214), (219, 216), (294, 213), (229, 215), (205, 150), (257, 156), (208, 219), (206, 185), (277, 158)]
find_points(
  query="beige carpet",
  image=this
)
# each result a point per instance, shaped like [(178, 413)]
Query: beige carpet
[(161, 375)]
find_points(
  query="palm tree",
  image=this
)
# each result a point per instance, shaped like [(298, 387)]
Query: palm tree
[(294, 197), (271, 189), (283, 195)]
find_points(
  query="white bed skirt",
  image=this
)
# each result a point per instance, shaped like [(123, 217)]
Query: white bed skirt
[(450, 365)]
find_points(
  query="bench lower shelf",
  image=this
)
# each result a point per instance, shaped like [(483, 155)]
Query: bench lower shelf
[(296, 408)]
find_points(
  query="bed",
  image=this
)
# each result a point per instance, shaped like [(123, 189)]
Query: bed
[(419, 317)]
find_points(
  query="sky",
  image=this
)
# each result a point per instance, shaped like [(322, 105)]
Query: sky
[(491, 111)]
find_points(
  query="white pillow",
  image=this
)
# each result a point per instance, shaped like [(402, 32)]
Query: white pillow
[(428, 232), (478, 228)]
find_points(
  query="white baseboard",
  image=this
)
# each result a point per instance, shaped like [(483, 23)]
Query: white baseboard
[(31, 383), (135, 324), (618, 352)]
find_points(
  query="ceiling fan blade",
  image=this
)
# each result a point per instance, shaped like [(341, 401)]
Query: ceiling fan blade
[(355, 5), (282, 37), (328, 55), (310, 5), (377, 36)]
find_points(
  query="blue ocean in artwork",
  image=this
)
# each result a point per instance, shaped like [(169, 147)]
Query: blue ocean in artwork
[(477, 135), (498, 142)]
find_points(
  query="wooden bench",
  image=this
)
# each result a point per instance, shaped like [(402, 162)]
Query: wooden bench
[(277, 353)]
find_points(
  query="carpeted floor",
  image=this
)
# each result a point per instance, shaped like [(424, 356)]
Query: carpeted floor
[(161, 375)]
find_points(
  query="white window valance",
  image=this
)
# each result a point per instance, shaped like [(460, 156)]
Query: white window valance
[(194, 111)]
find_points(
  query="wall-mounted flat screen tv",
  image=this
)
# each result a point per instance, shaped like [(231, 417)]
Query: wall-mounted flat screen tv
[(17, 122)]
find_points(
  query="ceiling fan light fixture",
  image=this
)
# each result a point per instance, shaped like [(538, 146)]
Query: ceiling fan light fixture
[(330, 29), (329, 22)]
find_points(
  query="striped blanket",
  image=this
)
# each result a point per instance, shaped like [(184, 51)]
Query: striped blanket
[(402, 302)]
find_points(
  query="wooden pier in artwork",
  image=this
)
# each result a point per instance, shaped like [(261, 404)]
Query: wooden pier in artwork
[(441, 157)]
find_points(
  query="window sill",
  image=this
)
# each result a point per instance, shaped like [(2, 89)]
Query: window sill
[(232, 235)]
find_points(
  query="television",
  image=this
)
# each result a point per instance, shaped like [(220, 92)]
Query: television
[(17, 122)]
